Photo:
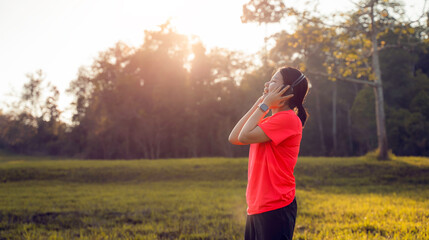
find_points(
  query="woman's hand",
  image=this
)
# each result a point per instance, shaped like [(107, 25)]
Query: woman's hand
[(233, 136), (260, 99), (275, 99)]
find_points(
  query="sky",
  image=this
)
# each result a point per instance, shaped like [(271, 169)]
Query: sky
[(59, 36)]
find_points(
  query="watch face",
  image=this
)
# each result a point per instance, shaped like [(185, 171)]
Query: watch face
[(264, 107)]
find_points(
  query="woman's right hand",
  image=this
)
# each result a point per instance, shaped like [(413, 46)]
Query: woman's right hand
[(261, 98), (265, 89), (259, 101), (264, 94)]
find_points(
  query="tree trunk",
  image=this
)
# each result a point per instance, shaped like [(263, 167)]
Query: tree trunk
[(378, 92), (381, 126), (334, 119), (320, 123), (194, 140), (349, 130)]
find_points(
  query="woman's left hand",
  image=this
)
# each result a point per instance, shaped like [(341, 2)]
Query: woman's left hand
[(275, 99)]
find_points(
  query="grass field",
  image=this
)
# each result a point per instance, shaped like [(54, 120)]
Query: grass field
[(338, 198)]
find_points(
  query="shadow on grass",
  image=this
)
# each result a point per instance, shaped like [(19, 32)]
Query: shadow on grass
[(381, 177), (176, 171), (74, 219), (348, 173), (173, 225)]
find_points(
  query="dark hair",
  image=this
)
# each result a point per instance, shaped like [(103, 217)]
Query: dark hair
[(300, 91)]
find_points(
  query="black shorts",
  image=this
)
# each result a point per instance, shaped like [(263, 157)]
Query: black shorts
[(272, 225)]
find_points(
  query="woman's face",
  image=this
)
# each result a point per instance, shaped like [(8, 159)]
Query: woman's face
[(275, 82)]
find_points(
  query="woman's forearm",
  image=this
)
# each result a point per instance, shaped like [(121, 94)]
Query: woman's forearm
[(252, 122), (233, 136)]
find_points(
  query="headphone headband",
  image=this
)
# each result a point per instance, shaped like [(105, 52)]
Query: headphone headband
[(298, 80)]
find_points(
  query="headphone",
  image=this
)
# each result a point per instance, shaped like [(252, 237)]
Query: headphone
[(294, 84)]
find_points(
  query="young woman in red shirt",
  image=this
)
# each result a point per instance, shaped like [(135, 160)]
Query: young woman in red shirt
[(274, 147)]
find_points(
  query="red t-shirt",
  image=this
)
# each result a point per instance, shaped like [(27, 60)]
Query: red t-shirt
[(271, 184)]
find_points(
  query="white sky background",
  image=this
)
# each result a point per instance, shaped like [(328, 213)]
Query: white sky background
[(59, 36)]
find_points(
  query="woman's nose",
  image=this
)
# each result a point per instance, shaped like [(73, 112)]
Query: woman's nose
[(266, 84)]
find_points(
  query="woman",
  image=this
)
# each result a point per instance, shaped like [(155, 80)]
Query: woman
[(274, 147)]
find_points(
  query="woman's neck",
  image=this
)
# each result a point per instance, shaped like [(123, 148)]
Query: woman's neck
[(276, 110)]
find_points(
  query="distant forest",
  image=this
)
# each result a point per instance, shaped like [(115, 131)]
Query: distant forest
[(173, 98)]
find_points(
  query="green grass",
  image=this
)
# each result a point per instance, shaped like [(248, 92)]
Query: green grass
[(204, 198)]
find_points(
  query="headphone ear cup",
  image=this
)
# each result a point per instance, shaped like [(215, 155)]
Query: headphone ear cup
[(288, 92)]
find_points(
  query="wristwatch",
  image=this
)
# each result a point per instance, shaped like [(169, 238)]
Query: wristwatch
[(264, 107)]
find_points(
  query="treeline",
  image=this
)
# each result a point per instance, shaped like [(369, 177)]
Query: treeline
[(171, 97)]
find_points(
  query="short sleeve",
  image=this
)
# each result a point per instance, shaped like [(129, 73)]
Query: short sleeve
[(281, 126)]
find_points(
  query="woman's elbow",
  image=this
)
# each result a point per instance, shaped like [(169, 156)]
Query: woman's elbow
[(234, 141), (242, 139)]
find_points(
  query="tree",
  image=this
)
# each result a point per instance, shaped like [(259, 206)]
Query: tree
[(349, 47), (31, 101), (129, 104)]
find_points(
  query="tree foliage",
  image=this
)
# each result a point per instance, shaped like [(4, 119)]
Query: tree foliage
[(172, 97)]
